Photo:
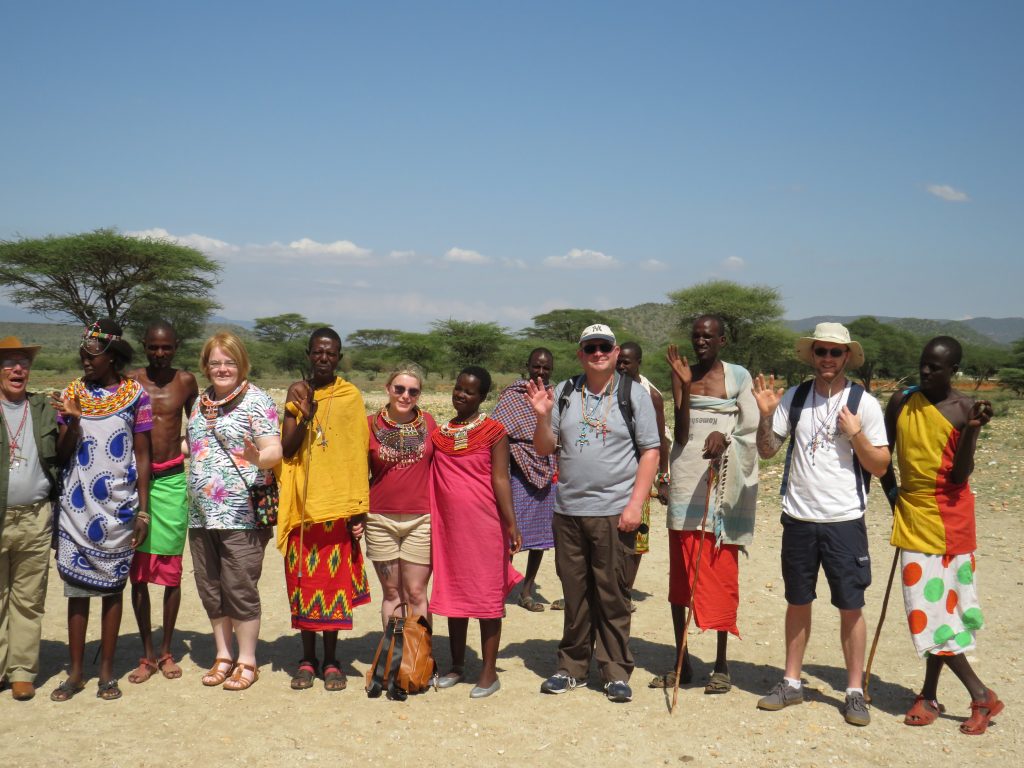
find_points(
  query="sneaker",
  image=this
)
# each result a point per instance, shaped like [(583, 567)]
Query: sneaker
[(618, 691), (856, 709), (781, 696), (560, 682)]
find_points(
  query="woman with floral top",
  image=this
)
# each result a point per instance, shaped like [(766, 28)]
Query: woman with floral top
[(234, 441)]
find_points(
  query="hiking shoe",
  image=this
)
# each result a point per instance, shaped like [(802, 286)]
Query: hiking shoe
[(781, 696), (856, 709), (560, 682), (618, 691)]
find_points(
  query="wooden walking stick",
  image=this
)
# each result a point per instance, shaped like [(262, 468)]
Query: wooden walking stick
[(881, 618), (693, 593), (308, 444)]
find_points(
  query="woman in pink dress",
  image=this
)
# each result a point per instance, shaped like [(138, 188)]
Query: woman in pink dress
[(473, 528)]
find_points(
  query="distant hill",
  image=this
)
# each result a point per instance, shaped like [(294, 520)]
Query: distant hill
[(1004, 330), (983, 331)]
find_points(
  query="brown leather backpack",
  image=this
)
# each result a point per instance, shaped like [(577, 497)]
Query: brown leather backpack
[(404, 661)]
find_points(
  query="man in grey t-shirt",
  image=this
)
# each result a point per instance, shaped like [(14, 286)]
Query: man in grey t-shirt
[(604, 475), (28, 436)]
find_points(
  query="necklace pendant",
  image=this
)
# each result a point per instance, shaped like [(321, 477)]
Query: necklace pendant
[(461, 440)]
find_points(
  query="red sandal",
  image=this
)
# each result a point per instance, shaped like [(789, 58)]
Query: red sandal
[(923, 712), (982, 713)]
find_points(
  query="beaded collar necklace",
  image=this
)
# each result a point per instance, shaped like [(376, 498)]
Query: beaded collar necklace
[(211, 408), (400, 443), (460, 432), (104, 403)]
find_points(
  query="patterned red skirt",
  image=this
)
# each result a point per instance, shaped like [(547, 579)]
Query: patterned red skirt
[(333, 579)]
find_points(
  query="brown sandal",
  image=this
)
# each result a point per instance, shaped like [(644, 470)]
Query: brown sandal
[(168, 668), (238, 683), (982, 713), (146, 669), (334, 678), (216, 675), (923, 712)]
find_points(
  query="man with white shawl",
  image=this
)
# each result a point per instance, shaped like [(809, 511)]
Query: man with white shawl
[(716, 426)]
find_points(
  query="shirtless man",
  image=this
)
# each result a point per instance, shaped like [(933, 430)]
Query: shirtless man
[(715, 423), (158, 559)]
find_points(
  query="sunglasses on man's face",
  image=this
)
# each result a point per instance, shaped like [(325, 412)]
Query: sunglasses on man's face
[(830, 352), (604, 346), (399, 390)]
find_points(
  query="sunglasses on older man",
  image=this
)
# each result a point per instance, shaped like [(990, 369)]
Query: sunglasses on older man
[(604, 346), (400, 390), (830, 352)]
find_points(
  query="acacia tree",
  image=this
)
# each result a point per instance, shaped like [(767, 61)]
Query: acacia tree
[(286, 337), (981, 363), (753, 317), (563, 324), (888, 350), (375, 339), (287, 327), (107, 274), (469, 343)]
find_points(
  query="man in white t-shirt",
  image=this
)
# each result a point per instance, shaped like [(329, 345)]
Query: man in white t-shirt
[(839, 441)]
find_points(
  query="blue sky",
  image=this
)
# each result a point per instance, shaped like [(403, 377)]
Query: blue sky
[(387, 164)]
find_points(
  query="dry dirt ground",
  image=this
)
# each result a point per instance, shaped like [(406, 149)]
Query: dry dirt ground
[(179, 722)]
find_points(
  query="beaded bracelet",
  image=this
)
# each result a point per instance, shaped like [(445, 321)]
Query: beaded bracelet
[(663, 477)]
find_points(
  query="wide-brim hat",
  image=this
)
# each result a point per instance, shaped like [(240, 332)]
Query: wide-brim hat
[(11, 344), (597, 331), (834, 333)]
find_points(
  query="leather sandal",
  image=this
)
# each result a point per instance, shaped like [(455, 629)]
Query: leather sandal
[(239, 683), (529, 603), (146, 669), (66, 690), (922, 712), (303, 678), (168, 668), (216, 675), (982, 713), (334, 677), (108, 690), (719, 682)]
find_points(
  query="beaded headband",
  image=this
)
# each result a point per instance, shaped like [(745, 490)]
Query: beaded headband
[(93, 332)]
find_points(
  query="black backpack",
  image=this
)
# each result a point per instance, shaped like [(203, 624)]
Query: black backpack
[(623, 392)]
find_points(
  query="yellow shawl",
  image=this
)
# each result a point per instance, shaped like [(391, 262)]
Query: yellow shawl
[(338, 484)]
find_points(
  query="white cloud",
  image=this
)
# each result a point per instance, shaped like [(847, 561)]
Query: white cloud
[(947, 193), (514, 263), (346, 249), (733, 264), (653, 265), (402, 256), (581, 258), (465, 256), (200, 242)]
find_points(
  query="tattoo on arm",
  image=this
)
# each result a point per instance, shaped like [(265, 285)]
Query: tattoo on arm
[(768, 443)]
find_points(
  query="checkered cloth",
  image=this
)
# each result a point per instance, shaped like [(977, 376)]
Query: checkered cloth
[(519, 420)]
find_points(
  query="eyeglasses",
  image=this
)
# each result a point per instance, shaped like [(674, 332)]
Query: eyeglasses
[(222, 364), (604, 346), (399, 390), (830, 352), (14, 362)]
